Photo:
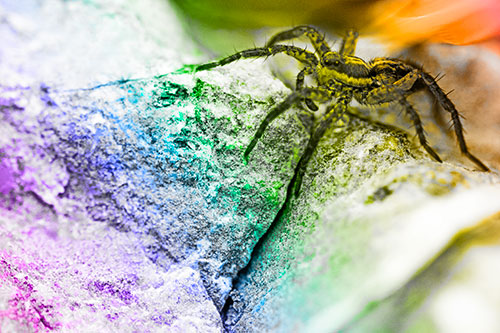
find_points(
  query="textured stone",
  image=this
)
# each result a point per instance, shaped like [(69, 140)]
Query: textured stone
[(372, 213), (126, 205), (163, 158), (159, 160)]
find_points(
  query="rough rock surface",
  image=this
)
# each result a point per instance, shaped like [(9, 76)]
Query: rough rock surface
[(164, 159), (369, 218), (126, 205), (160, 160)]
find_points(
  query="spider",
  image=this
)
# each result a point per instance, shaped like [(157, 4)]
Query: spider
[(340, 77)]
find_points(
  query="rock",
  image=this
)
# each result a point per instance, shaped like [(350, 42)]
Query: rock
[(163, 158), (159, 160), (373, 213), (126, 204)]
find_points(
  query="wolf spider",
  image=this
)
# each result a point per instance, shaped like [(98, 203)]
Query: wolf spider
[(340, 77)]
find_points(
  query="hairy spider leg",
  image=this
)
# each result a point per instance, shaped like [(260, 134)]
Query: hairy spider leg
[(318, 42), (305, 57), (300, 84), (349, 42), (448, 105), (398, 91), (417, 122), (390, 92), (333, 112), (316, 38), (391, 65), (318, 94)]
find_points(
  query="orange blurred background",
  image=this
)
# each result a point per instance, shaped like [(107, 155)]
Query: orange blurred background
[(399, 23)]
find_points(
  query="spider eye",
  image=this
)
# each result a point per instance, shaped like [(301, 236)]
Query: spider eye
[(332, 63)]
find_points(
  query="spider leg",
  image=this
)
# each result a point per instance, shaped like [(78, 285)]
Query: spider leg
[(333, 112), (305, 57), (390, 92), (419, 128), (300, 84), (316, 38), (397, 91), (348, 46), (318, 94), (448, 105)]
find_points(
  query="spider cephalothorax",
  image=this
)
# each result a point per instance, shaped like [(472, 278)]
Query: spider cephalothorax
[(340, 77)]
